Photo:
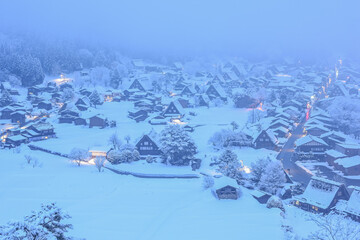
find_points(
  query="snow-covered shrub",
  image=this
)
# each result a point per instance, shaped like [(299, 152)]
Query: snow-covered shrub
[(114, 156), (48, 223), (226, 138), (149, 159), (208, 182), (275, 202), (177, 146)]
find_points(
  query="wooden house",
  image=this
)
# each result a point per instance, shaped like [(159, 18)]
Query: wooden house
[(138, 114), (18, 117), (97, 121), (352, 207), (137, 85), (321, 195), (147, 147), (348, 165), (44, 105), (338, 89), (317, 130), (202, 100), (188, 91), (225, 188), (332, 138), (80, 121), (265, 139), (66, 118), (216, 91), (312, 144), (6, 112), (174, 109), (332, 155), (43, 130), (14, 141), (34, 90), (348, 149)]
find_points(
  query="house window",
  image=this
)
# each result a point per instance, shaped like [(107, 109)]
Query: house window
[(146, 143), (315, 208)]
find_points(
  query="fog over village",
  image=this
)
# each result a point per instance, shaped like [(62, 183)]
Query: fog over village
[(189, 120)]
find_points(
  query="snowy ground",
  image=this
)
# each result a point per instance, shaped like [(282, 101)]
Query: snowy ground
[(110, 206)]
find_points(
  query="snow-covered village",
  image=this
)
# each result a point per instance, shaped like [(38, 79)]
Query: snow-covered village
[(98, 142)]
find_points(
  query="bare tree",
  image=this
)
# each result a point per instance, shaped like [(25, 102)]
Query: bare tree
[(99, 162), (115, 141), (79, 155), (335, 227), (127, 139)]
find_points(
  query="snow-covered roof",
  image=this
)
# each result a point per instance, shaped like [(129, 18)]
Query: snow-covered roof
[(309, 138), (347, 162), (319, 192), (223, 181), (353, 204), (335, 154), (333, 133)]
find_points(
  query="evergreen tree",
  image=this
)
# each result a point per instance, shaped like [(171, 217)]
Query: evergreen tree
[(48, 223), (229, 164), (177, 146), (95, 98), (115, 79)]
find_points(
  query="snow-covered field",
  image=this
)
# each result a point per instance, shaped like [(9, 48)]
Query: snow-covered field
[(110, 206)]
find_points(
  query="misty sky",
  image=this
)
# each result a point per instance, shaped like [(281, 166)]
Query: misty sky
[(194, 26)]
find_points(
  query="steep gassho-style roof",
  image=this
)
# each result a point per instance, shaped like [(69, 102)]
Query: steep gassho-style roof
[(320, 192), (353, 204)]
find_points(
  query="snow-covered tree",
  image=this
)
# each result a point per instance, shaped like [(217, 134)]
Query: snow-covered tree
[(67, 95), (226, 138), (234, 125), (115, 79), (273, 178), (335, 226), (115, 141), (258, 168), (177, 146), (229, 165), (5, 98), (99, 162), (48, 223), (208, 182), (79, 155), (95, 98)]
